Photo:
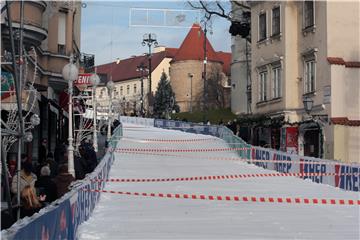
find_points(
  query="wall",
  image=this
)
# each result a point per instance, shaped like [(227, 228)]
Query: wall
[(239, 79), (181, 83), (343, 29)]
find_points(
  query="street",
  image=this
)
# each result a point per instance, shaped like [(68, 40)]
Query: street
[(119, 216)]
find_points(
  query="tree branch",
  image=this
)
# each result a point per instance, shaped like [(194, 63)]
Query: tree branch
[(241, 5)]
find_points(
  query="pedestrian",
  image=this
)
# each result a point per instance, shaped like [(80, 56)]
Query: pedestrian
[(63, 180), (59, 152), (53, 165), (27, 178), (30, 203), (43, 151), (46, 186), (79, 167)]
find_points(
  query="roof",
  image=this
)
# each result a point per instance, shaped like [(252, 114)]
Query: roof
[(192, 46), (341, 61), (126, 69), (226, 59), (345, 121)]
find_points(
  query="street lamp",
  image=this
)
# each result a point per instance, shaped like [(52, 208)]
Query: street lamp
[(70, 73), (142, 68), (94, 80), (149, 39), (110, 87), (308, 104), (190, 75)]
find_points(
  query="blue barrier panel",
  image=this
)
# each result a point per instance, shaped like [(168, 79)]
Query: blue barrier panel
[(287, 163), (62, 218)]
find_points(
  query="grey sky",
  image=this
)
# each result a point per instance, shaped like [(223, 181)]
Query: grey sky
[(106, 30)]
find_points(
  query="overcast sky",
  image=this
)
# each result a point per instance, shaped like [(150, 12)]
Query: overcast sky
[(108, 28)]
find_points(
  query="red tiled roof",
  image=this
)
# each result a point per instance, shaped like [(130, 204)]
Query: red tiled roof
[(341, 61), (171, 52), (192, 46), (226, 59), (345, 121), (126, 69)]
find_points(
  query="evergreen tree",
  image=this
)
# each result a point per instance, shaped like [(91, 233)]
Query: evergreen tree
[(165, 101)]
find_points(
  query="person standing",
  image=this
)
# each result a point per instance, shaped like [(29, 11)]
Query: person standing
[(43, 151), (46, 186), (63, 180), (27, 178)]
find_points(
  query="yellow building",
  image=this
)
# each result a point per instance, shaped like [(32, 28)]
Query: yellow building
[(307, 51)]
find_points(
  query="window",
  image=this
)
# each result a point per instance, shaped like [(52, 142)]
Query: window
[(134, 88), (262, 86), (309, 83), (276, 21), (262, 26), (309, 18), (121, 90), (128, 89), (61, 33), (276, 82)]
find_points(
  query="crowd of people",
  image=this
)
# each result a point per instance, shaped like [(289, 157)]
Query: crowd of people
[(49, 179)]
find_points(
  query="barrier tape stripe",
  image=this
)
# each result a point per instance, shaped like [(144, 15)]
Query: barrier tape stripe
[(221, 177), (173, 140), (180, 140), (239, 159), (252, 199), (177, 150)]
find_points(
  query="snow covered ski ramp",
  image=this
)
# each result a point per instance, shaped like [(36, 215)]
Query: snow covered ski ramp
[(167, 184)]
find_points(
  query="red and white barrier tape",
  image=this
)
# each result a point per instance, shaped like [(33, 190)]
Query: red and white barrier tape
[(289, 200), (222, 177), (181, 140), (238, 159), (177, 150)]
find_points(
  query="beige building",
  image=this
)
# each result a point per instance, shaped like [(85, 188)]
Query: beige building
[(307, 50), (128, 78), (178, 64), (53, 29), (187, 69)]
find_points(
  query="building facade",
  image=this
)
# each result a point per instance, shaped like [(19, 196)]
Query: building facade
[(52, 33), (131, 82), (187, 73), (307, 51), (184, 67)]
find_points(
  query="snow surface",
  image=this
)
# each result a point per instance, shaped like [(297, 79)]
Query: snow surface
[(135, 217)]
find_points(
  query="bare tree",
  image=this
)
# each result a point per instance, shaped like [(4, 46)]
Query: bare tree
[(220, 9), (216, 88)]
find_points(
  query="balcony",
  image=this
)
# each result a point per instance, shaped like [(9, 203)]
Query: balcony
[(34, 33)]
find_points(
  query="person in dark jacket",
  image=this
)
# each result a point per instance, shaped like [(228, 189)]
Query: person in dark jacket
[(79, 166), (46, 186), (63, 180), (43, 151)]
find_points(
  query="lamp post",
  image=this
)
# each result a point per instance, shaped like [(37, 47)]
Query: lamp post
[(142, 68), (94, 80), (190, 75), (149, 39), (110, 87), (308, 104), (70, 73)]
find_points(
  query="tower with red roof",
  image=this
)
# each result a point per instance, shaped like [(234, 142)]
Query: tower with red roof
[(189, 61)]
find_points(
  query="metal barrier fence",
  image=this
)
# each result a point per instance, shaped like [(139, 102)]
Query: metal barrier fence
[(342, 175)]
